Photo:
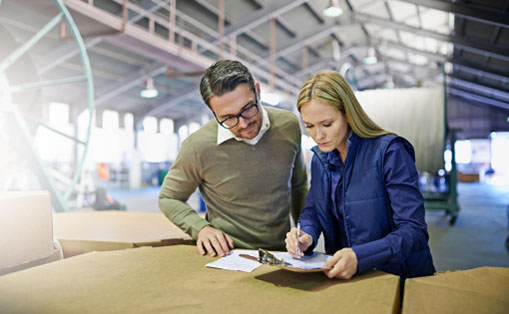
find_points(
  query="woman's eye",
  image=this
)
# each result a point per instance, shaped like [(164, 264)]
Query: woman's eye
[(327, 124), (308, 126)]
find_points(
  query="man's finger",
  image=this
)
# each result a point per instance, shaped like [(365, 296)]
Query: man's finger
[(217, 244), (201, 250), (229, 243), (209, 248)]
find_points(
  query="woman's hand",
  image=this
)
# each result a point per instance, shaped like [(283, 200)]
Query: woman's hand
[(296, 247), (344, 264)]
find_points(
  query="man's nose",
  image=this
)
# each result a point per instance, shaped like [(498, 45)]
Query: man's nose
[(243, 122)]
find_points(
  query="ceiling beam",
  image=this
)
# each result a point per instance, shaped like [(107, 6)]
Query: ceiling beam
[(168, 103), (486, 91), (480, 70), (70, 49), (430, 55), (290, 30), (469, 44), (214, 10), (477, 98), (310, 38), (136, 78), (489, 87), (260, 17), (476, 13), (62, 54), (315, 12)]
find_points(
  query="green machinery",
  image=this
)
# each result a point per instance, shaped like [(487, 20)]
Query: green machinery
[(20, 133), (447, 201)]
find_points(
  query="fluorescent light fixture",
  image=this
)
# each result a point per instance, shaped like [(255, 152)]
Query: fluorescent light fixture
[(333, 9), (150, 91), (370, 58), (272, 99)]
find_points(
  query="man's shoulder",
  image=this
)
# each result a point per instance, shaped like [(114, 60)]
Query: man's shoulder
[(281, 117), (204, 136)]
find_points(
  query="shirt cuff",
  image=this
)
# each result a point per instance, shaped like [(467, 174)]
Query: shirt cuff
[(371, 254), (197, 225)]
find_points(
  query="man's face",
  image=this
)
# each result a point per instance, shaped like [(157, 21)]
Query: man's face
[(232, 103)]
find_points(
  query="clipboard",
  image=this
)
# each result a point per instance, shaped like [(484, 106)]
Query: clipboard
[(268, 258)]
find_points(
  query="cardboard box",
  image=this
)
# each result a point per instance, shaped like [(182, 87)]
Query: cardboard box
[(26, 228), (54, 256), (81, 232), (174, 279), (479, 290)]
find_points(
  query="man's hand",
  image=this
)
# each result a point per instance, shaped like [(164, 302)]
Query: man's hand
[(344, 264), (213, 241), (296, 247)]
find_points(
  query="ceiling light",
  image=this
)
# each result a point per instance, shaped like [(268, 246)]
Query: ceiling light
[(370, 58), (149, 91), (333, 9)]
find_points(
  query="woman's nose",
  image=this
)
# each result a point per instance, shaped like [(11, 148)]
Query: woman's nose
[(320, 134)]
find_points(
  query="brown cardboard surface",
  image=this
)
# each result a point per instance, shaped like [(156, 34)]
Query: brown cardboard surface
[(54, 256), (81, 232), (174, 279), (26, 228), (479, 290)]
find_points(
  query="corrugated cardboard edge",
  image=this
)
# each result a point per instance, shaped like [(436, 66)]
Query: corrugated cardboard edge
[(56, 255), (451, 284), (71, 247)]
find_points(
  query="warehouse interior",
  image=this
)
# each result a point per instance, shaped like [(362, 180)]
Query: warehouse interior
[(97, 96)]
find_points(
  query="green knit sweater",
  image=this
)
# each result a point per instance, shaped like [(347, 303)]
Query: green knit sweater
[(249, 190)]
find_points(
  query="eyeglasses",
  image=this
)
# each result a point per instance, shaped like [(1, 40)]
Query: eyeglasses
[(246, 113)]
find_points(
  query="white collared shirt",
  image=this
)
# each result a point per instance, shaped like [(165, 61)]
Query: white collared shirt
[(225, 134)]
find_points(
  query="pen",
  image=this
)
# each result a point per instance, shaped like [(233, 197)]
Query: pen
[(298, 236)]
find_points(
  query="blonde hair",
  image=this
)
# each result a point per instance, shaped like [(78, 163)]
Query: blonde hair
[(331, 88)]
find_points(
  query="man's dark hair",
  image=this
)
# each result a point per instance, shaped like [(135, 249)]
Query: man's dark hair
[(222, 77)]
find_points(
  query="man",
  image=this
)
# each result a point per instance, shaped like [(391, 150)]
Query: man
[(247, 164)]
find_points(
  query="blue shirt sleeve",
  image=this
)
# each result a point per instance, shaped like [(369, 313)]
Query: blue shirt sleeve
[(410, 231), (308, 218)]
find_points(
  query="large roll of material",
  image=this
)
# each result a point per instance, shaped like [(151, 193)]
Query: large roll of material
[(417, 114)]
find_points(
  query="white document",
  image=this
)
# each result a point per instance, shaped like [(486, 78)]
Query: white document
[(315, 260), (234, 262)]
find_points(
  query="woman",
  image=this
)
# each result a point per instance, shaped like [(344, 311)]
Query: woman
[(364, 194)]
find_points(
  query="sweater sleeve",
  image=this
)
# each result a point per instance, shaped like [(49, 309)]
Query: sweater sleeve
[(181, 181), (410, 231)]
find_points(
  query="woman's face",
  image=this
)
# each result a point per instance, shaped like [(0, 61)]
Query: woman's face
[(326, 125)]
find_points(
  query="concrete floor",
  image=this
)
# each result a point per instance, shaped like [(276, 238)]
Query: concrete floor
[(477, 239)]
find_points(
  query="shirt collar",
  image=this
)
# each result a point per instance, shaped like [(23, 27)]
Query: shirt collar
[(224, 135), (333, 157)]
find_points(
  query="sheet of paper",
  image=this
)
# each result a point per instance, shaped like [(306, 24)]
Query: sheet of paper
[(234, 262), (315, 260)]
